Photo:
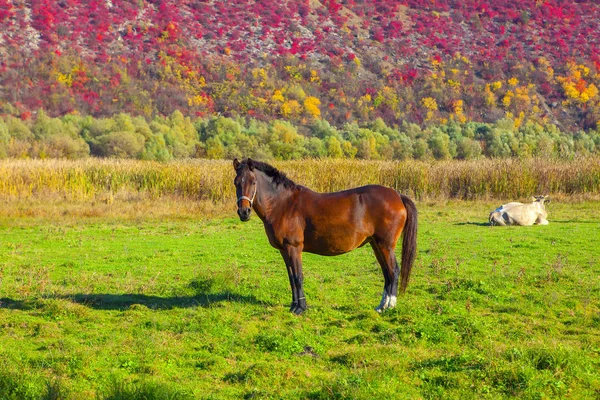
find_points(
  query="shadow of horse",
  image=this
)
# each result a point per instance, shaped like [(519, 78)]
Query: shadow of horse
[(107, 301), (16, 304), (573, 221), (473, 223), (554, 221), (203, 297)]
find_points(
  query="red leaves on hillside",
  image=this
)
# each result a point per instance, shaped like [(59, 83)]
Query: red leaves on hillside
[(177, 44)]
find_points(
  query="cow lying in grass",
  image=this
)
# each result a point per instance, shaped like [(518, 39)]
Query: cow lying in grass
[(521, 214)]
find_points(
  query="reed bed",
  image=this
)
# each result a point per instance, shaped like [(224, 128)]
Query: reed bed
[(206, 180)]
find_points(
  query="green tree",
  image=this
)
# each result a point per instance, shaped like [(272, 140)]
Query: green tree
[(334, 147), (182, 136), (349, 150), (285, 142), (403, 147), (226, 129), (215, 148), (64, 146), (58, 138), (380, 126), (121, 144), (155, 148), (421, 150), (316, 148), (467, 149), (321, 129), (18, 129), (440, 146), (44, 126)]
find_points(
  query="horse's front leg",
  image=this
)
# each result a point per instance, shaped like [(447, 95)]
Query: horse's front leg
[(293, 261), (290, 271)]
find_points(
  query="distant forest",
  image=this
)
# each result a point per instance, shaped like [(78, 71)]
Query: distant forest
[(177, 136)]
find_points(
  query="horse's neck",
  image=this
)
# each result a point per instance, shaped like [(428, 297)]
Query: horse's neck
[(269, 197)]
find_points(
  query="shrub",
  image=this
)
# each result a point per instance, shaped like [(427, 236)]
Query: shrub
[(65, 146), (121, 144)]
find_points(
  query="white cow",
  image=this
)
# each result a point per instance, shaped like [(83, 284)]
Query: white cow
[(521, 214)]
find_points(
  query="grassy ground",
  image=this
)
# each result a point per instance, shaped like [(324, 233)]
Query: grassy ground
[(188, 307)]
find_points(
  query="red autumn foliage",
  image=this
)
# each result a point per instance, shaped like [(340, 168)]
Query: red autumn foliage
[(177, 49)]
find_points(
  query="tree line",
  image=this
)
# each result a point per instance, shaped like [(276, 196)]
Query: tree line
[(177, 136)]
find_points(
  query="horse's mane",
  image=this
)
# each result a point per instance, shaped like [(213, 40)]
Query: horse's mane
[(278, 177)]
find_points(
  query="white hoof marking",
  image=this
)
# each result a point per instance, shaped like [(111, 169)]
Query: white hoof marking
[(392, 302), (387, 301)]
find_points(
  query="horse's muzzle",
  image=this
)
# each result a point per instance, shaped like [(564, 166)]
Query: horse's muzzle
[(244, 213)]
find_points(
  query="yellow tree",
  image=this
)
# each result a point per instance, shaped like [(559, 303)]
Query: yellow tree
[(311, 106)]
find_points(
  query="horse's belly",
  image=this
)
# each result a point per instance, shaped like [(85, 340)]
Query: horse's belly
[(523, 219), (333, 245)]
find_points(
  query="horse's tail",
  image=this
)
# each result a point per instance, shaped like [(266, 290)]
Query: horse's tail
[(409, 241)]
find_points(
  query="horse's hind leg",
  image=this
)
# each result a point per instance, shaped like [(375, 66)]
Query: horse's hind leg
[(387, 260)]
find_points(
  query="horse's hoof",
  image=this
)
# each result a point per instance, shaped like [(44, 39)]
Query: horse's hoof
[(293, 306), (299, 310)]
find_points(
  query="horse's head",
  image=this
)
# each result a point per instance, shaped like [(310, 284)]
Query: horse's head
[(245, 187), (541, 199)]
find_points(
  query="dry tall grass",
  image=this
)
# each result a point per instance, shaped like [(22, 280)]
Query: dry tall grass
[(212, 181)]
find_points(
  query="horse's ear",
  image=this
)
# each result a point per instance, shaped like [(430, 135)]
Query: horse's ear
[(236, 163), (250, 164)]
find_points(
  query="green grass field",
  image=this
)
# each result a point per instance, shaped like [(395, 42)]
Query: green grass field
[(191, 307)]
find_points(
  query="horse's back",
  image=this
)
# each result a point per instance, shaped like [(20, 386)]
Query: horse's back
[(371, 201), (341, 221), (374, 193)]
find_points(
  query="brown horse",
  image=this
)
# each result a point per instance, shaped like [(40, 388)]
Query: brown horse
[(297, 219)]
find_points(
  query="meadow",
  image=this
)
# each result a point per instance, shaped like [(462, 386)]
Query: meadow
[(119, 292)]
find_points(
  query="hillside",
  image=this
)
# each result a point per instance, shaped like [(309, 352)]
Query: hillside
[(420, 61)]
